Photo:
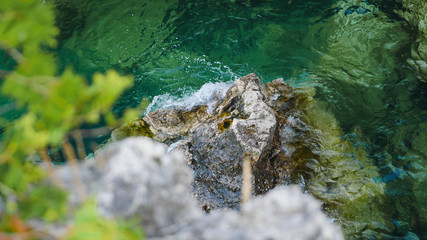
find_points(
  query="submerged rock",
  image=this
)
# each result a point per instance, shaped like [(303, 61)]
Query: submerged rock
[(415, 12), (356, 9), (288, 138), (136, 178)]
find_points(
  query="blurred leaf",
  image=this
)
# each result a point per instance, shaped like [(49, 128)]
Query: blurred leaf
[(89, 225), (52, 105), (47, 202)]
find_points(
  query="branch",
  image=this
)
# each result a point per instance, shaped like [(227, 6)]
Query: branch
[(94, 132), (30, 82), (12, 52), (72, 160), (247, 179), (3, 73)]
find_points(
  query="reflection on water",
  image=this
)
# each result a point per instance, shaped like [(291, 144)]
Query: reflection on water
[(355, 59)]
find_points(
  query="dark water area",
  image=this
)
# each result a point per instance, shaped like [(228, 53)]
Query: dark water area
[(356, 61)]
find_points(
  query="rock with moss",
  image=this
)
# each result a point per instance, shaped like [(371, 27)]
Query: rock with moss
[(135, 128), (289, 138), (344, 182)]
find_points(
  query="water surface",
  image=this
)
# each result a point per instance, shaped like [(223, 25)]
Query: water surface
[(355, 61)]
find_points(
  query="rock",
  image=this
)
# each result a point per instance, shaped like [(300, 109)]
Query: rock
[(241, 124), (415, 12), (356, 9), (136, 178), (254, 122), (290, 140), (169, 125), (296, 213), (362, 50)]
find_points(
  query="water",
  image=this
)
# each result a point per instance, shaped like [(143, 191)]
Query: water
[(355, 61)]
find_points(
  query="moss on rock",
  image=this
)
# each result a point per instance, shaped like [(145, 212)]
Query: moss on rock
[(135, 128)]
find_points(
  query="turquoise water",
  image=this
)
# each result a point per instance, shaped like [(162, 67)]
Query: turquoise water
[(356, 62)]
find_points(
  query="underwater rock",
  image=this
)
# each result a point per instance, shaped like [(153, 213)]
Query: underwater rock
[(356, 9), (415, 12), (136, 178), (361, 49), (411, 205)]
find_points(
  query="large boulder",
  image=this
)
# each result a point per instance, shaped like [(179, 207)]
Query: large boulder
[(136, 178), (242, 124), (288, 138)]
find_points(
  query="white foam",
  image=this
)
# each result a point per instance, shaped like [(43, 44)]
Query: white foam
[(208, 94)]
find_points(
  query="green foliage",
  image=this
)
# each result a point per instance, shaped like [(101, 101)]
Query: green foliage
[(89, 225), (52, 105), (45, 201), (21, 27)]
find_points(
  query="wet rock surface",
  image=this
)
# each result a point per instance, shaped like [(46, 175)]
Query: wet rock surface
[(136, 178)]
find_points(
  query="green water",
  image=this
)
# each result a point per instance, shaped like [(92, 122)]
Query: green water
[(356, 63)]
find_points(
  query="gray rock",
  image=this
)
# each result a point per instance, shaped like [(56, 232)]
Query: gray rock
[(136, 178), (282, 213), (242, 124), (215, 142), (256, 124), (289, 138)]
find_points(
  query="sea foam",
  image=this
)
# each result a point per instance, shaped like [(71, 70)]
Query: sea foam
[(208, 95)]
